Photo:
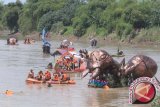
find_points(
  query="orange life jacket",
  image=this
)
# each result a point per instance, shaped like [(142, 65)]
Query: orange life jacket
[(47, 75), (56, 78)]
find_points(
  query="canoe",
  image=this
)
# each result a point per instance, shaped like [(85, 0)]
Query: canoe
[(64, 82), (34, 81), (118, 55)]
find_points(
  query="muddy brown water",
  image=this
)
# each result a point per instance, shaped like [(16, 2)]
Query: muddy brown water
[(16, 61)]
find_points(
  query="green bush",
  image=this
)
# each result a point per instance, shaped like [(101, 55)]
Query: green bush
[(63, 31), (123, 28), (79, 31), (56, 27), (101, 31), (69, 31)]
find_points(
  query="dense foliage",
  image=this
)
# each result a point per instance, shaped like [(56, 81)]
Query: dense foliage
[(11, 14), (80, 17)]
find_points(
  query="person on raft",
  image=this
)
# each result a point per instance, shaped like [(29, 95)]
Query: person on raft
[(40, 76), (55, 77), (47, 75), (64, 77), (31, 74)]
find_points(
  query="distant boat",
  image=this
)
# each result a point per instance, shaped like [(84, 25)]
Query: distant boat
[(117, 55), (12, 40)]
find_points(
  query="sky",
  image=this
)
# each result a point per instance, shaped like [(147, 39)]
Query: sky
[(7, 1)]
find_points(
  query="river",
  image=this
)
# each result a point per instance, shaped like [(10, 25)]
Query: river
[(16, 61)]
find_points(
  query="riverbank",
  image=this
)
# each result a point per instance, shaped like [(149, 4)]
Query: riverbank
[(110, 40)]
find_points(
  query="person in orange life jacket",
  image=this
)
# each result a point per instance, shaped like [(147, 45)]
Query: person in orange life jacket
[(64, 77), (47, 75), (55, 77), (31, 74)]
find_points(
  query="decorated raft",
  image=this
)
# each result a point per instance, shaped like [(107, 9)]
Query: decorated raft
[(69, 61)]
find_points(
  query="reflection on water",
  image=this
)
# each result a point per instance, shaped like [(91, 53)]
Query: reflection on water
[(16, 61)]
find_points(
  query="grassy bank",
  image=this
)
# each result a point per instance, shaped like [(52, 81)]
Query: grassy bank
[(143, 38)]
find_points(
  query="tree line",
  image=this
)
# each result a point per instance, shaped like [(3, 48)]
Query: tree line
[(80, 17)]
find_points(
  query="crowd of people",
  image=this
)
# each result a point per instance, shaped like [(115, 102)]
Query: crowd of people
[(68, 63), (46, 76)]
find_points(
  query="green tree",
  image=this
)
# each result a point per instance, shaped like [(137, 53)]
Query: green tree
[(1, 14), (11, 15)]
